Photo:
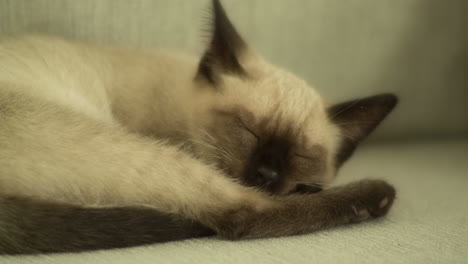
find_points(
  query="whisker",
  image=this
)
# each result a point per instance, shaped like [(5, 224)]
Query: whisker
[(210, 142), (346, 108)]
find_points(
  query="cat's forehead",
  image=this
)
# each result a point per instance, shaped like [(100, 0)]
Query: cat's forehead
[(278, 97)]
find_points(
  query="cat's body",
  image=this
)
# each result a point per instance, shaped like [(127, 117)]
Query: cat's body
[(94, 137), (80, 90)]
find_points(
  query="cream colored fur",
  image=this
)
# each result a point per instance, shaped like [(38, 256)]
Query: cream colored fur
[(101, 126)]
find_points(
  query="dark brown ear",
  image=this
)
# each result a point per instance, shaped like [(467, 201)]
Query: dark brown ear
[(224, 49), (357, 119)]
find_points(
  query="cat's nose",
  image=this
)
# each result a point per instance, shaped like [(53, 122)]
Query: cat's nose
[(267, 175)]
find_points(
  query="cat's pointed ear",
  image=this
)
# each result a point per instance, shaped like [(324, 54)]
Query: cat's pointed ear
[(357, 119), (224, 50)]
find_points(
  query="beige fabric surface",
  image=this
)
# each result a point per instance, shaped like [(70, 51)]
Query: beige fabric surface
[(347, 48), (428, 223)]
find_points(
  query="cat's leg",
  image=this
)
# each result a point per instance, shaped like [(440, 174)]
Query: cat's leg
[(36, 226), (298, 214)]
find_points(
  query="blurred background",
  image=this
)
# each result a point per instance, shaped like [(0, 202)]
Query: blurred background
[(417, 49)]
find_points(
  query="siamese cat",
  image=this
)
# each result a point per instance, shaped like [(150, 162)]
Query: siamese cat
[(104, 147)]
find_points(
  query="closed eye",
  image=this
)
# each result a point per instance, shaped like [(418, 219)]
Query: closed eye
[(248, 129), (307, 189), (304, 156)]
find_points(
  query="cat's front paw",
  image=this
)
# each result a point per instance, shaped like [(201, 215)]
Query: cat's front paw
[(370, 199)]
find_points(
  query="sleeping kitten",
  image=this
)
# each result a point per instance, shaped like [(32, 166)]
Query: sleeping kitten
[(104, 147)]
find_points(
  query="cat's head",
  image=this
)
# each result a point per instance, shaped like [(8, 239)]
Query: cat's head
[(268, 128)]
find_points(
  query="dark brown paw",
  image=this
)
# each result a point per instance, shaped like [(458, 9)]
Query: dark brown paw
[(370, 199)]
